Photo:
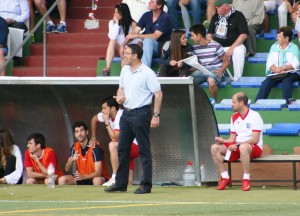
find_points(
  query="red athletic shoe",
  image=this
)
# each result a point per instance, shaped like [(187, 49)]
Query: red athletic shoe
[(224, 182), (246, 185)]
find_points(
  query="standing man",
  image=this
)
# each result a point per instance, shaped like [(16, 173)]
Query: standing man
[(229, 28), (137, 85), (245, 141), (212, 56), (158, 29), (90, 169), (37, 159), (110, 116)]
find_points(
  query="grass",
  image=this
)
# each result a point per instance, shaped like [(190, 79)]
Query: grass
[(89, 200)]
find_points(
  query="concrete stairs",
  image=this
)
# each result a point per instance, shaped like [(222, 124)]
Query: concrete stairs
[(74, 53)]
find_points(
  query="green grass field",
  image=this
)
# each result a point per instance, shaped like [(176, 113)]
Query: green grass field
[(89, 200)]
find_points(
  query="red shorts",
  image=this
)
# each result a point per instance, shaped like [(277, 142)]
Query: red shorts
[(134, 153), (235, 155)]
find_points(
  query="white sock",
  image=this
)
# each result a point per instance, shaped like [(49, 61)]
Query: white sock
[(113, 176), (64, 23), (246, 176), (225, 175), (51, 22)]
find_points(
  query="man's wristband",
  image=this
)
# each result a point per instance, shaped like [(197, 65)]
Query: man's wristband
[(93, 138)]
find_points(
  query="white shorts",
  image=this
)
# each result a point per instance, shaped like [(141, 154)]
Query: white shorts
[(270, 5)]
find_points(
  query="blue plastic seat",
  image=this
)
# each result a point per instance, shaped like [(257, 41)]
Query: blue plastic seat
[(224, 129), (271, 35), (221, 85), (258, 58), (247, 82), (269, 104), (295, 106), (226, 104), (284, 129)]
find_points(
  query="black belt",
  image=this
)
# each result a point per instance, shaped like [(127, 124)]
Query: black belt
[(143, 107)]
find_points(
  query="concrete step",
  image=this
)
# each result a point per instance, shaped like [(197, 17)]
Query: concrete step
[(82, 13), (83, 38), (102, 3)]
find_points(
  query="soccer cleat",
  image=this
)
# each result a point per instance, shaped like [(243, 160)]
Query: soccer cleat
[(246, 185), (61, 28), (50, 28), (109, 183), (224, 182)]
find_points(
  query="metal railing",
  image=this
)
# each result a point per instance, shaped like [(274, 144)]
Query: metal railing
[(42, 20)]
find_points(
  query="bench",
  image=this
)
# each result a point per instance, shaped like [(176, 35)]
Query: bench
[(274, 159)]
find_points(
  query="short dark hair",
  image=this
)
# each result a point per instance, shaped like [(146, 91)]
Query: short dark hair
[(287, 32), (198, 29), (161, 2), (136, 49), (79, 124), (111, 102), (38, 139), (241, 96)]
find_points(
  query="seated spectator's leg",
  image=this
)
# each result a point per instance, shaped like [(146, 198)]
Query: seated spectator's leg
[(114, 160), (32, 14), (2, 61), (238, 59), (196, 11), (3, 43), (66, 180), (62, 8), (287, 85), (134, 153), (218, 152), (19, 25), (164, 70), (150, 49), (269, 6), (251, 39), (172, 11), (31, 181), (282, 14), (97, 181), (245, 152), (199, 77), (110, 52), (185, 17), (210, 10), (42, 9), (213, 88), (265, 88)]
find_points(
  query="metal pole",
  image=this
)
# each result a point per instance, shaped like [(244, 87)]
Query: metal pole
[(44, 49)]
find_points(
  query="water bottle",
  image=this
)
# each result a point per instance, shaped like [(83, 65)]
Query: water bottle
[(51, 177), (189, 176), (202, 171)]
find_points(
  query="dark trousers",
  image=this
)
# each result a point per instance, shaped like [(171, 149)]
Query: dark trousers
[(269, 83), (135, 124), (171, 71), (3, 32), (10, 167)]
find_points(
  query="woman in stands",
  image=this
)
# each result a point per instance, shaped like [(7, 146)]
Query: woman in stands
[(119, 27), (174, 51), (11, 165)]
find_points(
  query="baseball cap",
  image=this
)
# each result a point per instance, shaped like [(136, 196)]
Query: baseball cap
[(220, 2)]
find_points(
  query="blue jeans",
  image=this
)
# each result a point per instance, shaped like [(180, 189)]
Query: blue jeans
[(3, 32), (200, 77), (135, 124), (195, 6), (269, 83), (150, 49)]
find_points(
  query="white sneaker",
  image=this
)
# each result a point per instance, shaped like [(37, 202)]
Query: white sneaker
[(109, 183)]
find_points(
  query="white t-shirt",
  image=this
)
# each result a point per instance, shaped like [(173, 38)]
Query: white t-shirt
[(114, 123), (243, 127)]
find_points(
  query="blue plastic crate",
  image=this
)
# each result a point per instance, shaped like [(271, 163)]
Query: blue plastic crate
[(284, 129)]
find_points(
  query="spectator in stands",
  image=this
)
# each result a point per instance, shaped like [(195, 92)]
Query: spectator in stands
[(229, 28), (90, 166), (118, 28), (283, 57), (212, 56), (158, 30), (41, 6), (284, 8), (245, 141), (195, 7), (269, 6), (3, 44), (38, 158), (254, 13), (110, 116), (11, 164), (173, 51)]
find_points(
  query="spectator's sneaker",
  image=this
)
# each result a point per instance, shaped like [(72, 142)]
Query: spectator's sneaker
[(224, 182), (61, 28), (246, 185), (50, 28), (109, 183)]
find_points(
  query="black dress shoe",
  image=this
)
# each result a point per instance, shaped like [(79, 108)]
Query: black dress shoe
[(115, 188), (142, 190)]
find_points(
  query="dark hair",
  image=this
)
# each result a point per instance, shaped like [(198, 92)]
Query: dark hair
[(161, 2), (111, 102), (198, 29), (38, 139), (126, 19), (287, 32), (241, 96), (6, 146), (178, 51), (136, 49), (79, 124)]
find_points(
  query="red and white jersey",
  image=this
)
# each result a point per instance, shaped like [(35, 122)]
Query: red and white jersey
[(114, 123), (244, 127)]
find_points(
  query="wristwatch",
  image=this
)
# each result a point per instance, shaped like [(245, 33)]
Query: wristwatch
[(155, 114)]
